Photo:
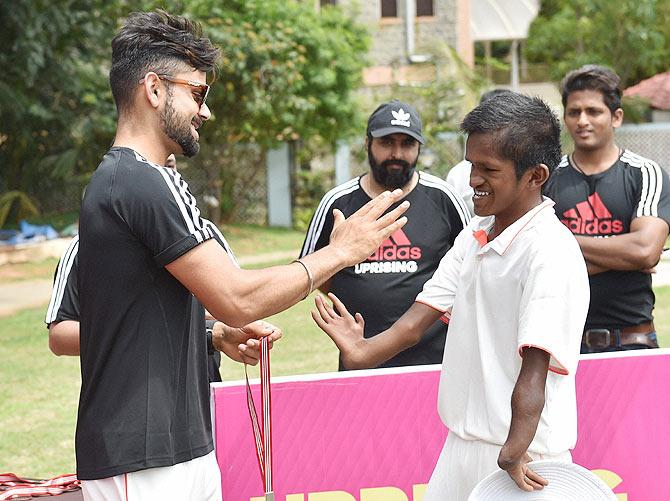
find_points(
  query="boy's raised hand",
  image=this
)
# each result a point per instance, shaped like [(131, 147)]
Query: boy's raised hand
[(345, 330)]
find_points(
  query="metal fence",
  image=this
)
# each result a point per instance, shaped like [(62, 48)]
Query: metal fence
[(57, 196), (250, 196), (651, 140)]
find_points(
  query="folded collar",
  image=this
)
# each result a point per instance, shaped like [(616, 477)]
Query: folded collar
[(502, 242)]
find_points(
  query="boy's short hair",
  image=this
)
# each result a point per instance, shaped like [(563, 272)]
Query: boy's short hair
[(524, 130), (593, 77), (159, 42), (493, 93)]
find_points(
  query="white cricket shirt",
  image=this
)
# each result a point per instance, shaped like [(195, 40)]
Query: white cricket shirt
[(527, 287)]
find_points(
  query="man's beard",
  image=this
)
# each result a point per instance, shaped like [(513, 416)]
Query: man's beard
[(391, 179), (177, 129)]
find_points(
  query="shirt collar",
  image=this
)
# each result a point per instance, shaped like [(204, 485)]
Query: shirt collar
[(502, 242)]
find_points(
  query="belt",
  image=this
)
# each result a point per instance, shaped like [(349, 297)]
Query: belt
[(608, 338)]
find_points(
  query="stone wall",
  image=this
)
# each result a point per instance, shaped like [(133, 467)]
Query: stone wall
[(389, 41)]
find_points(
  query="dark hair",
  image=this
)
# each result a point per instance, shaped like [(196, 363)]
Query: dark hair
[(492, 93), (159, 42), (524, 130), (593, 77)]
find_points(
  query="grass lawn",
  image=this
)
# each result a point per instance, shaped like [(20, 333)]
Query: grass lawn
[(247, 240), (662, 315), (39, 394), (26, 271), (304, 349)]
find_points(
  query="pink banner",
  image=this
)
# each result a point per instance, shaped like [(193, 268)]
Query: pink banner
[(375, 435)]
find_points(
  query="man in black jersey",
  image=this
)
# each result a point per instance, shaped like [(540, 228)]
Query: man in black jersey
[(617, 205), (385, 285), (143, 426), (62, 317), (63, 314)]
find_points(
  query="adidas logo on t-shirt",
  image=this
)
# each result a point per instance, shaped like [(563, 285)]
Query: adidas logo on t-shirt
[(396, 254), (592, 217)]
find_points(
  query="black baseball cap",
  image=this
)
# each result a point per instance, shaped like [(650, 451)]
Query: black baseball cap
[(395, 117)]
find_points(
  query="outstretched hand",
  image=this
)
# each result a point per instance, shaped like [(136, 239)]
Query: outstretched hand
[(524, 477), (360, 234), (345, 330), (243, 344)]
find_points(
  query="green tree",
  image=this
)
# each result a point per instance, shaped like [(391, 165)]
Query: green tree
[(56, 113), (630, 36), (288, 73)]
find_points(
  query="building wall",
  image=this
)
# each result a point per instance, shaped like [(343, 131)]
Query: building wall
[(465, 47), (389, 41), (660, 115)]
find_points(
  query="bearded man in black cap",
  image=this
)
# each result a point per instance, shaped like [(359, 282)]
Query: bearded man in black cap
[(383, 286)]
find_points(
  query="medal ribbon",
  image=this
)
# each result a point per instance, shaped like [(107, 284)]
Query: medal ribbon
[(13, 486), (263, 432)]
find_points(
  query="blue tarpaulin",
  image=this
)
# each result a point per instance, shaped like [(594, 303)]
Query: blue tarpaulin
[(27, 233)]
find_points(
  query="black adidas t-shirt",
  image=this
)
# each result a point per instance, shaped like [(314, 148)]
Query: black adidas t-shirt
[(64, 302), (604, 205), (144, 398), (384, 286)]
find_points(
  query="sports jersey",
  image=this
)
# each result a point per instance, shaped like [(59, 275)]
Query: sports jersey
[(525, 288), (144, 398), (64, 301), (604, 205), (384, 286)]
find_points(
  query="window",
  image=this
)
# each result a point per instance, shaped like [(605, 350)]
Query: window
[(389, 8), (424, 8), (328, 2)]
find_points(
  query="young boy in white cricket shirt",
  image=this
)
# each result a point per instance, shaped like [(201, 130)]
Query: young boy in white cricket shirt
[(516, 292)]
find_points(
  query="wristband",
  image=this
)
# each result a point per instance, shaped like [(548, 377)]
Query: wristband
[(209, 325), (310, 277)]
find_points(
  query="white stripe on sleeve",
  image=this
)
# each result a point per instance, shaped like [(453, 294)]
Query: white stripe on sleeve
[(319, 219), (60, 281), (188, 210), (652, 183)]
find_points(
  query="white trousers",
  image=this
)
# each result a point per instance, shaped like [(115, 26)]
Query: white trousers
[(196, 480), (463, 463)]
